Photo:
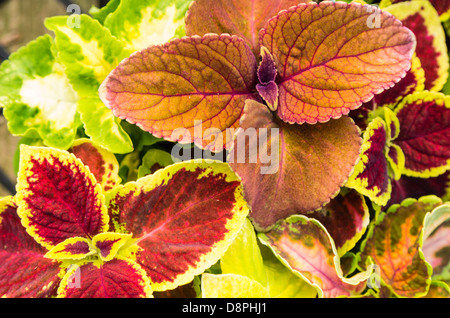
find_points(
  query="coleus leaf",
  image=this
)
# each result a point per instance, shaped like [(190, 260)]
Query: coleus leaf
[(102, 163), (164, 212), (325, 74), (148, 22), (380, 160), (442, 6), (58, 197), (243, 19), (153, 160), (231, 286), (199, 83), (414, 81), (20, 255), (315, 160), (118, 278), (108, 244), (424, 133), (304, 245), (411, 187), (394, 243), (346, 218), (438, 289), (422, 19), (37, 98), (74, 248), (267, 73), (265, 274), (101, 14), (436, 242), (89, 54)]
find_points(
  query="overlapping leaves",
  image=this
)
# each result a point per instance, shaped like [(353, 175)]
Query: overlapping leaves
[(63, 208)]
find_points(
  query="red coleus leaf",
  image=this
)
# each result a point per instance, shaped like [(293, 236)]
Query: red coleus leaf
[(102, 163), (410, 187), (73, 248), (278, 161), (24, 272), (442, 6), (57, 197), (425, 133), (422, 19), (267, 73), (241, 18), (346, 218), (170, 87), (183, 217), (330, 60), (119, 278)]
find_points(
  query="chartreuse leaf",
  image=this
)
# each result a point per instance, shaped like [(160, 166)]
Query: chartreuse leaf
[(231, 286), (346, 218), (183, 218), (74, 248), (89, 54), (422, 19), (20, 256), (118, 278), (108, 244), (102, 163), (244, 248), (305, 246), (330, 60), (58, 197), (235, 17), (147, 22), (102, 127), (315, 160), (262, 277), (424, 133), (394, 244), (436, 242), (438, 289), (36, 96), (153, 160), (188, 90), (101, 14)]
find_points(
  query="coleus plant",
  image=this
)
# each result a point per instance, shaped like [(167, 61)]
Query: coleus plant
[(354, 116)]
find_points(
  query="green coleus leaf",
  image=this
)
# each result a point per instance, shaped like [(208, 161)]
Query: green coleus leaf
[(183, 218), (314, 160), (185, 95), (394, 244), (424, 133), (305, 246), (153, 160), (36, 95), (119, 278), (231, 286), (58, 197), (89, 54), (140, 24), (243, 19), (423, 20), (329, 60), (102, 163), (101, 14), (20, 255)]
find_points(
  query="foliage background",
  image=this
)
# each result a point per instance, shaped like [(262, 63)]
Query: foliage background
[(21, 21)]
